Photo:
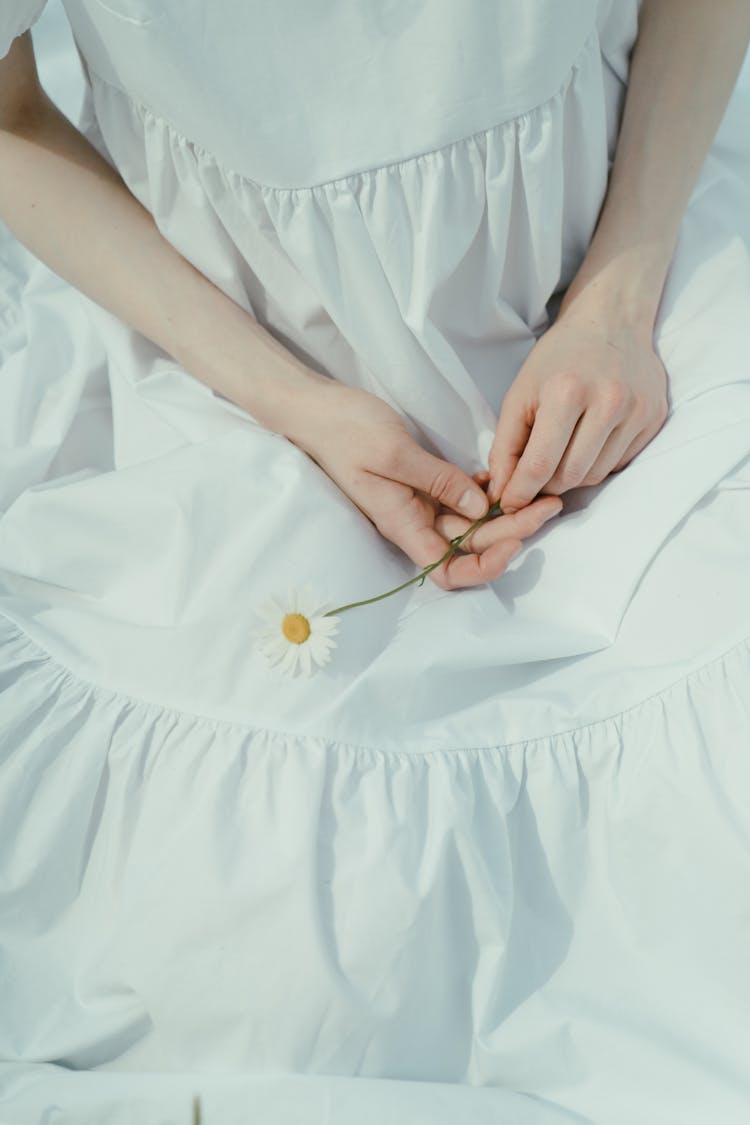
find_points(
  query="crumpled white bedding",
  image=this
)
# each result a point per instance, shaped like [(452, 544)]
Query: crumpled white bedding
[(492, 866)]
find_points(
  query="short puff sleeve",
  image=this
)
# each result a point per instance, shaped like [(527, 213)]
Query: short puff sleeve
[(17, 16)]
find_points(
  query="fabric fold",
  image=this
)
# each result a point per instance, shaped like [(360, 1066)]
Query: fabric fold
[(396, 890), (205, 872)]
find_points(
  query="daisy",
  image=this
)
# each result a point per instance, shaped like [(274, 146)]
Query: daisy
[(296, 633)]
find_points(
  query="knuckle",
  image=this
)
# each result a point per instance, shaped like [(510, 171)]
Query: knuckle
[(569, 473), (539, 466), (440, 486), (642, 410), (615, 398), (569, 388)]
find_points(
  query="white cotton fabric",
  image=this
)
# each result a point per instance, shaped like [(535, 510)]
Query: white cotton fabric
[(16, 18), (500, 840)]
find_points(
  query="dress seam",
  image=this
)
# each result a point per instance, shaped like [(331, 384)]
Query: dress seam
[(91, 686), (144, 110)]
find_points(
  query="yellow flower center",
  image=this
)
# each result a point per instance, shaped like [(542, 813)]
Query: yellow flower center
[(295, 628)]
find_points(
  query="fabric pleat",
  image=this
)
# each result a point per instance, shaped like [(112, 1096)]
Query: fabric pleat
[(486, 865)]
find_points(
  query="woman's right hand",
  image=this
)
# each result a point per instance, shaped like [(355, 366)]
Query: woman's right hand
[(364, 446)]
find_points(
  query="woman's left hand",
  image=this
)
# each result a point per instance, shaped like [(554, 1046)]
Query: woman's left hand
[(589, 397)]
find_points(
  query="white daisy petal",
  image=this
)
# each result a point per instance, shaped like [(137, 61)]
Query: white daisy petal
[(306, 659), (269, 615), (275, 656), (287, 656), (290, 660), (272, 637), (320, 647), (325, 626)]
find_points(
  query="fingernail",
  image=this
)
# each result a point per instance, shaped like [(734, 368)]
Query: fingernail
[(516, 552), (551, 514), (492, 492), (472, 504)]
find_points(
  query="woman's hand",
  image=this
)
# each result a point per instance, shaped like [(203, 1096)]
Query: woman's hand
[(589, 397), (365, 448), (593, 393), (519, 525)]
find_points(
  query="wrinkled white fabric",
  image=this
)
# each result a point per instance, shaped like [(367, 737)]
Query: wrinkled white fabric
[(16, 17), (498, 840)]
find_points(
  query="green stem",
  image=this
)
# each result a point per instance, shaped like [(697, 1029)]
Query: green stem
[(454, 545)]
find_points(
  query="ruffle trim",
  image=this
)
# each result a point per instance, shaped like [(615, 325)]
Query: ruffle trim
[(148, 114), (24, 657)]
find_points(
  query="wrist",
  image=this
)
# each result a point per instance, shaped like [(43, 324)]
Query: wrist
[(225, 347), (278, 390), (623, 291), (621, 278), (299, 400)]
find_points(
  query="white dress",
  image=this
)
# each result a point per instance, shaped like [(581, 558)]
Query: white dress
[(498, 849)]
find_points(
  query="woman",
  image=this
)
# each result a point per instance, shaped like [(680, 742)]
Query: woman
[(355, 224)]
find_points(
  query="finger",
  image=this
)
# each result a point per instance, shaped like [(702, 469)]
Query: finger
[(553, 425), (612, 452), (639, 443), (586, 444), (476, 570), (521, 525), (641, 440), (627, 439), (407, 526), (414, 466), (513, 428)]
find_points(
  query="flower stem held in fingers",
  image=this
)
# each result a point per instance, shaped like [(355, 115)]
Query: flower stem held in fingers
[(454, 545), (296, 633)]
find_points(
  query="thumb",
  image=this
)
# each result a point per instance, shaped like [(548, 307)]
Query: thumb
[(445, 482)]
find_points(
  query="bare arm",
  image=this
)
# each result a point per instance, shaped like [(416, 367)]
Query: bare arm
[(75, 213), (684, 67), (72, 210), (593, 393)]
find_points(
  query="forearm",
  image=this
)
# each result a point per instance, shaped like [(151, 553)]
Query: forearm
[(65, 203), (684, 67)]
